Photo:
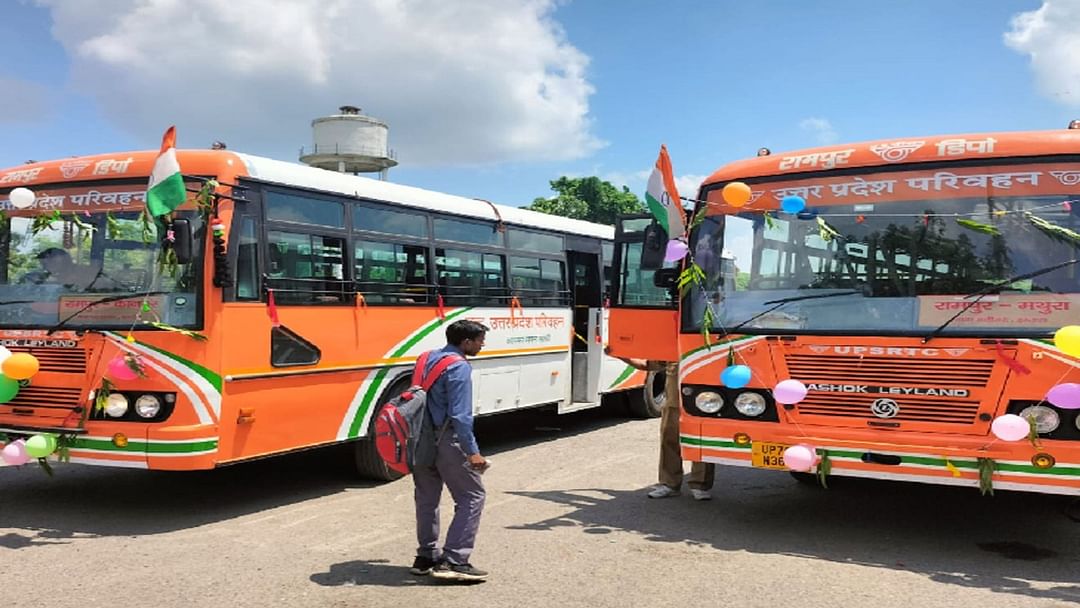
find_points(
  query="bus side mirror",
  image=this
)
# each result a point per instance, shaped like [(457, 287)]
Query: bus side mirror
[(182, 242), (654, 247)]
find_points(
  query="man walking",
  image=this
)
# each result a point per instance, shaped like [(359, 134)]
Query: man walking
[(458, 463)]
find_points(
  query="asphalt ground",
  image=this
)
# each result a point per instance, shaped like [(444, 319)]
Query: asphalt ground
[(566, 524)]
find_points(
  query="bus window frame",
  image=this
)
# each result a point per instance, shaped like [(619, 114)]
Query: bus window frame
[(320, 230)]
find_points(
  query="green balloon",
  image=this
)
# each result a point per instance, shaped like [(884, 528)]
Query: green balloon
[(8, 389), (40, 446)]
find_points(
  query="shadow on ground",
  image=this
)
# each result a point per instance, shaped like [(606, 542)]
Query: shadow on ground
[(86, 501), (1009, 543)]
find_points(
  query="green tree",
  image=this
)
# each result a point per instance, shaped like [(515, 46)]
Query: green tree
[(588, 198)]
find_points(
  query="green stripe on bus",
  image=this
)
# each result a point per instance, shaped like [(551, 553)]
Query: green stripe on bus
[(730, 342), (209, 376), (626, 373), (376, 384), (147, 447)]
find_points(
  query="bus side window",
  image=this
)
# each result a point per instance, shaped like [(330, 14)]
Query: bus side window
[(310, 269), (538, 282), (247, 261), (468, 278), (390, 273)]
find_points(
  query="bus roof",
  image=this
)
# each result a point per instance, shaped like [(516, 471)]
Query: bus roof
[(127, 165), (294, 174), (906, 150)]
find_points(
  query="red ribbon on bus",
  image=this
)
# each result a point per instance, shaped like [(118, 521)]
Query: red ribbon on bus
[(271, 308), (1013, 364)]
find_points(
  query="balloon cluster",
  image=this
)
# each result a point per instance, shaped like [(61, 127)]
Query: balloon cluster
[(15, 367), (20, 451)]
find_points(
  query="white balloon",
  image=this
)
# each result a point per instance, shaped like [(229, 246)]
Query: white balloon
[(22, 198), (4, 354)]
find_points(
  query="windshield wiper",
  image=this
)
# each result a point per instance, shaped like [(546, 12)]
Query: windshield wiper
[(982, 293), (106, 300), (784, 301)]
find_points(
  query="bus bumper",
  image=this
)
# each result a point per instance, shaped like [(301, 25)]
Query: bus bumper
[(1049, 467)]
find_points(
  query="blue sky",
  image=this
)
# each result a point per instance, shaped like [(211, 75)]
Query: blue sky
[(493, 99)]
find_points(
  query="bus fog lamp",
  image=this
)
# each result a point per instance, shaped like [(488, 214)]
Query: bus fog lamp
[(116, 405), (709, 402), (1043, 460), (147, 406), (120, 440), (750, 404), (742, 439), (1046, 419)]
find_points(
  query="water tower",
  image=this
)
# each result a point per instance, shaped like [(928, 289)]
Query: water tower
[(350, 142)]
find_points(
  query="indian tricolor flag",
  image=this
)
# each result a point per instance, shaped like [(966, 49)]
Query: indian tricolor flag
[(166, 189), (663, 199)]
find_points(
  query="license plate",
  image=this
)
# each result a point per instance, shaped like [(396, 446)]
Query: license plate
[(768, 455)]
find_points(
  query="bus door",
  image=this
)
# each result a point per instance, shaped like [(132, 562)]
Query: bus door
[(643, 321), (586, 293)]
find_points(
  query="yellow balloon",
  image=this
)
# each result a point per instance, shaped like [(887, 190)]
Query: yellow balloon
[(1068, 340), (20, 366), (736, 194)]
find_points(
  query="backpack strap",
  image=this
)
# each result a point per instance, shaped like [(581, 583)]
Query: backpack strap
[(418, 371), (438, 369)]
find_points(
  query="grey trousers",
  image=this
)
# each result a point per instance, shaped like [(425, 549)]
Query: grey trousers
[(466, 488)]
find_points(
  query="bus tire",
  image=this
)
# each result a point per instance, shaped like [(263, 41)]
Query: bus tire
[(648, 402), (369, 465)]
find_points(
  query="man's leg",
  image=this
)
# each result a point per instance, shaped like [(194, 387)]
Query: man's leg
[(671, 464), (467, 489), (701, 476), (427, 491)]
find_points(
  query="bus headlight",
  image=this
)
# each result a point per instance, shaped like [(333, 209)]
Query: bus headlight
[(750, 404), (116, 405), (147, 406), (1047, 419), (708, 402)]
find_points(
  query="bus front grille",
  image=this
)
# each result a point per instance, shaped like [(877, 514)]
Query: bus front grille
[(967, 373), (43, 406), (62, 360), (908, 409), (891, 391)]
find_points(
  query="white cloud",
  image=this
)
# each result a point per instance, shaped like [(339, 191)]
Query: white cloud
[(688, 184), (820, 128), (22, 101), (1050, 35), (459, 83)]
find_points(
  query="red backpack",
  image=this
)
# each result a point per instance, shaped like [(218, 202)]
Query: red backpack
[(404, 433)]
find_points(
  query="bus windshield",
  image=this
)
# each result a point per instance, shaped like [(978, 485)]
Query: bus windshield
[(899, 267), (54, 266)]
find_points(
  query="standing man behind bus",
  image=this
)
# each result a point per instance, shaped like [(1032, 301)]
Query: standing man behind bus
[(458, 464), (671, 462)]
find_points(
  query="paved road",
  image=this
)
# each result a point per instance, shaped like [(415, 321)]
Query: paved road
[(567, 524)]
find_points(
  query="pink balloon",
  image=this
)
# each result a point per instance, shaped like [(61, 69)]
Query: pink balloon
[(14, 453), (676, 250), (800, 457), (1010, 427), (119, 370), (789, 391), (1065, 395)]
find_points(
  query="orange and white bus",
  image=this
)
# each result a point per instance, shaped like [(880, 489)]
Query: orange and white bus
[(915, 296), (292, 305)]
